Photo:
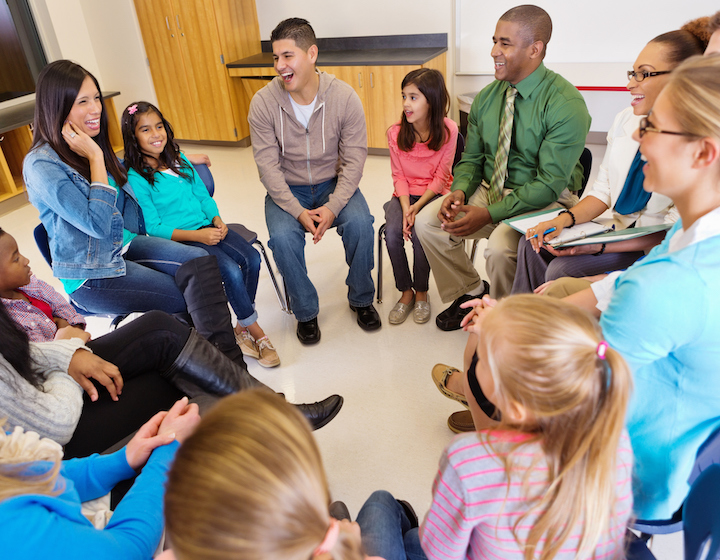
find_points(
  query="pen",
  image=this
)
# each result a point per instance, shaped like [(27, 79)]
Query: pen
[(544, 234)]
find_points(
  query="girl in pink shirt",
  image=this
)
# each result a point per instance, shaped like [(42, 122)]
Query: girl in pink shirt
[(422, 148), (552, 478)]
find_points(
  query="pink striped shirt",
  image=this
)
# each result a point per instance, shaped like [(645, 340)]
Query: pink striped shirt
[(474, 511), (421, 168)]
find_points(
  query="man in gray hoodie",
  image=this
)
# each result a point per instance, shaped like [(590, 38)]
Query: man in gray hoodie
[(310, 143)]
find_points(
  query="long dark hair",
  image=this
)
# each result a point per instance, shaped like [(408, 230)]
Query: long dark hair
[(135, 159), (15, 348), (432, 85), (57, 88), (682, 43)]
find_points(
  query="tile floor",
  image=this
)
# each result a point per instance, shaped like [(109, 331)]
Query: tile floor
[(392, 428)]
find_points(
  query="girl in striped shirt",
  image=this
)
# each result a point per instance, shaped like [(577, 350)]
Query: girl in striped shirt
[(552, 480)]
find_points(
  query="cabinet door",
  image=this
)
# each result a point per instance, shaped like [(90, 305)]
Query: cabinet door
[(355, 76), (205, 69), (162, 45), (384, 100)]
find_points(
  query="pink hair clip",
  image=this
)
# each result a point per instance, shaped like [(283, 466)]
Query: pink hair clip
[(132, 109), (601, 349), (330, 538)]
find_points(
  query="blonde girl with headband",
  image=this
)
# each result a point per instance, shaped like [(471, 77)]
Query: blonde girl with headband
[(250, 485), (553, 479)]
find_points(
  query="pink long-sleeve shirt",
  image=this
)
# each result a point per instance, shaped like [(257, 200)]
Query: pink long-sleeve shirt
[(473, 510), (422, 168)]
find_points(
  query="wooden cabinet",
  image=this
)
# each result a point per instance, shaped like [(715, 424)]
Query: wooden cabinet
[(187, 43), (14, 144), (379, 91)]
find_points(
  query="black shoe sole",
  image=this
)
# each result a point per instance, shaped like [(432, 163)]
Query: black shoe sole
[(325, 421)]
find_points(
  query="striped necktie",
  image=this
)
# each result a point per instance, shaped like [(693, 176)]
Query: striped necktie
[(500, 171)]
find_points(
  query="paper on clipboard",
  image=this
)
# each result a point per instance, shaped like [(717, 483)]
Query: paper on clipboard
[(567, 235), (615, 236)]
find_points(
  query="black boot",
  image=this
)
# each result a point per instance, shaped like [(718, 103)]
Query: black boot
[(201, 368), (200, 282), (320, 413)]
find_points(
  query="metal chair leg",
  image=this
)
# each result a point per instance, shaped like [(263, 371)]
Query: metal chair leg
[(473, 250), (278, 293), (381, 233)]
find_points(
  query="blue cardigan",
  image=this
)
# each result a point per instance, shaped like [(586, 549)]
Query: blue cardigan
[(173, 202), (664, 318), (38, 526)]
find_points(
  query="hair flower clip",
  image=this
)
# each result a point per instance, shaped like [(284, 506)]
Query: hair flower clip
[(132, 109)]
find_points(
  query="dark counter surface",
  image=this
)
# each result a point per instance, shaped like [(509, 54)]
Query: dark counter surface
[(385, 50)]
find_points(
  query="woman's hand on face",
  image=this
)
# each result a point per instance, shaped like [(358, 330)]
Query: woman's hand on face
[(80, 143), (542, 238), (180, 421), (66, 333), (85, 365)]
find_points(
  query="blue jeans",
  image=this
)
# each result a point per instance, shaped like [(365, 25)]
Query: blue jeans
[(149, 281), (239, 265), (287, 241), (385, 529)]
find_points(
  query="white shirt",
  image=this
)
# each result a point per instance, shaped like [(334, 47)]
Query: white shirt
[(303, 112)]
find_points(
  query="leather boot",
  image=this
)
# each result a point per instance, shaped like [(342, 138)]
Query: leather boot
[(201, 368), (201, 284)]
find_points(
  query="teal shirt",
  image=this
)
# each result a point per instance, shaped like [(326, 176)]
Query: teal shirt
[(549, 132), (72, 284), (173, 202)]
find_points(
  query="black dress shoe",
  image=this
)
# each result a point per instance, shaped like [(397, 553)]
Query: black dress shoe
[(449, 320), (367, 317), (308, 332), (320, 413)]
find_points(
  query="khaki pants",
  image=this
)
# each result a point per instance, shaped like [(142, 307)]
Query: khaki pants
[(454, 273), (566, 286)]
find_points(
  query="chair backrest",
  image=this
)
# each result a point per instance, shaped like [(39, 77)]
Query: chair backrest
[(204, 172), (701, 516), (459, 149), (708, 454), (42, 242), (586, 162)]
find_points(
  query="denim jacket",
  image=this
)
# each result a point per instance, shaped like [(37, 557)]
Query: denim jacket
[(84, 220)]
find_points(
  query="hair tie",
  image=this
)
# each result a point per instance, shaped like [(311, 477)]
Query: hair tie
[(132, 109), (330, 538), (601, 349)]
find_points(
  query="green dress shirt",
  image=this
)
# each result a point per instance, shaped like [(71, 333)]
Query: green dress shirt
[(549, 132)]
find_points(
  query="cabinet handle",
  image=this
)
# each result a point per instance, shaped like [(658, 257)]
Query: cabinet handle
[(177, 21), (2, 138), (167, 23), (360, 78), (371, 80)]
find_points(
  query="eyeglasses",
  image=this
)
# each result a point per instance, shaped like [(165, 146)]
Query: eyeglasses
[(646, 126), (640, 76)]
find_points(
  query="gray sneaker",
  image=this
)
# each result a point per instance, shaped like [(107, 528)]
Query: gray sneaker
[(421, 312)]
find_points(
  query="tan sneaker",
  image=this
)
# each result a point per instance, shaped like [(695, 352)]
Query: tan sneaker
[(268, 355), (247, 344)]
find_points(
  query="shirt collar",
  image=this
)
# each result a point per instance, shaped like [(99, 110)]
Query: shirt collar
[(704, 227), (527, 86)]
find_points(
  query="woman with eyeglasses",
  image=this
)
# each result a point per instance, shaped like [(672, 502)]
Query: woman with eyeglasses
[(618, 185), (663, 313)]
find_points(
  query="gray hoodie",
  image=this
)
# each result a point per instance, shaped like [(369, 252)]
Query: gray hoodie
[(286, 153)]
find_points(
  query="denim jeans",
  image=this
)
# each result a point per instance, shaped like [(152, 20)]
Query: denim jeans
[(395, 242), (149, 281), (385, 529), (287, 241), (239, 265)]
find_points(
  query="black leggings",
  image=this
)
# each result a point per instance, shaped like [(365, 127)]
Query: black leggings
[(142, 350)]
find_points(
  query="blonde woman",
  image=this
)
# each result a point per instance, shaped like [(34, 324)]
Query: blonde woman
[(250, 485), (40, 495), (553, 479), (663, 313)]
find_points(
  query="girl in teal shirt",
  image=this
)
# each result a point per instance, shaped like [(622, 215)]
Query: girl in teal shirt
[(177, 206)]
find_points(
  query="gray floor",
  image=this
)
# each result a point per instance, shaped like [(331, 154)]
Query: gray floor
[(392, 429)]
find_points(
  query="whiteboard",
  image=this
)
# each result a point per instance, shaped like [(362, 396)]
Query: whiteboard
[(593, 42)]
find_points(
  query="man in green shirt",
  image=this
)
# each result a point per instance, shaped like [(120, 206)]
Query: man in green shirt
[(546, 136)]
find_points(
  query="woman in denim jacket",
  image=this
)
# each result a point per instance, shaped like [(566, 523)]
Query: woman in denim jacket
[(99, 249)]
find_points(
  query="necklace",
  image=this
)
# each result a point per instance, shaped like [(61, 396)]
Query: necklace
[(420, 138)]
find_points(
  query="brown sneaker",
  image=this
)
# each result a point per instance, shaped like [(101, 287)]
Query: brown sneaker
[(460, 422), (247, 344), (268, 355)]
